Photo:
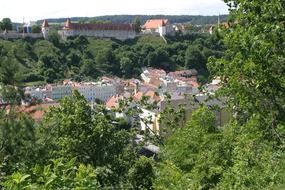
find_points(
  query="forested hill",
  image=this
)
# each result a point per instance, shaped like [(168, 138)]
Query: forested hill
[(81, 58), (196, 20)]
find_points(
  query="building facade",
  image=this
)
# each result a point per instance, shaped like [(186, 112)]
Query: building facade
[(60, 91), (108, 30), (158, 26), (96, 90)]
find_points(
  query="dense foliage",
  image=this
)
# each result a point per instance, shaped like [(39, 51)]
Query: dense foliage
[(6, 24), (253, 68), (86, 58), (203, 156), (75, 146)]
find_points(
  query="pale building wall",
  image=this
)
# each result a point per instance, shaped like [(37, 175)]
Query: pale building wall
[(21, 35), (118, 34), (162, 30), (61, 91), (149, 120), (93, 92)]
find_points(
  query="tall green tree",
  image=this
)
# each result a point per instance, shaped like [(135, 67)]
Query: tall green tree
[(253, 67), (17, 142), (78, 131), (137, 24), (194, 58), (36, 29), (10, 80), (203, 156), (6, 24)]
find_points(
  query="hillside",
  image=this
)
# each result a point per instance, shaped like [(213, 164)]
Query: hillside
[(83, 58), (195, 20)]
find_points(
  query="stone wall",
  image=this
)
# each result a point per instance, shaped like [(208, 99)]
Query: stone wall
[(118, 34), (20, 35)]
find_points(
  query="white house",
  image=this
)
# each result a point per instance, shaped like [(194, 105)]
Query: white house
[(159, 26)]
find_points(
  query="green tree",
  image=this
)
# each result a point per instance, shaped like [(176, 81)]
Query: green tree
[(88, 68), (194, 58), (17, 142), (6, 24), (137, 24), (10, 80), (58, 174), (54, 37), (9, 71), (126, 67), (202, 156), (36, 29), (141, 174), (253, 69), (77, 131)]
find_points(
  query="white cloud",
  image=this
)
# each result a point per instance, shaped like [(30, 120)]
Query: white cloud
[(35, 9)]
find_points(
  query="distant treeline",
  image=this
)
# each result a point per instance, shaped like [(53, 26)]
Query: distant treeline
[(195, 20)]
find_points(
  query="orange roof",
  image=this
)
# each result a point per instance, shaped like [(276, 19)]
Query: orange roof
[(45, 24), (36, 111), (152, 95), (155, 23), (113, 102), (138, 96), (194, 84), (155, 82)]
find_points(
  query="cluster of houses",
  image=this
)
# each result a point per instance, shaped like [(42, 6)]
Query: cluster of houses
[(92, 91), (157, 87)]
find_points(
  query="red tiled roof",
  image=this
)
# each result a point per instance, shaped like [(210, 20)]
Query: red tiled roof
[(114, 102), (138, 96), (101, 26), (155, 23), (152, 95), (45, 24), (36, 111)]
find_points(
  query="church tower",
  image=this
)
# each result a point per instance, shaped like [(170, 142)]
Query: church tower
[(45, 29)]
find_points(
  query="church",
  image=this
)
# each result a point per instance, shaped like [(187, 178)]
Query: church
[(99, 30)]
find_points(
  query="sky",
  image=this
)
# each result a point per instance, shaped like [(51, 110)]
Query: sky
[(31, 10)]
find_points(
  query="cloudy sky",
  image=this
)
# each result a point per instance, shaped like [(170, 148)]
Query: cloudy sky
[(37, 9)]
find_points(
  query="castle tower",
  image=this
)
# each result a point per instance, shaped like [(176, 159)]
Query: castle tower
[(68, 24), (45, 29), (162, 29)]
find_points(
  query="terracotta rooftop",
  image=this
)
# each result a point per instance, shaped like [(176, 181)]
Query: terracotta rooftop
[(113, 102), (155, 23), (151, 94), (36, 111), (102, 26), (138, 96)]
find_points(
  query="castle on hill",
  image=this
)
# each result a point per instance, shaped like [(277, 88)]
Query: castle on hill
[(100, 30), (160, 27)]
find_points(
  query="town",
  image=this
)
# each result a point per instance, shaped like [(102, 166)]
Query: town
[(154, 84), (142, 95)]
